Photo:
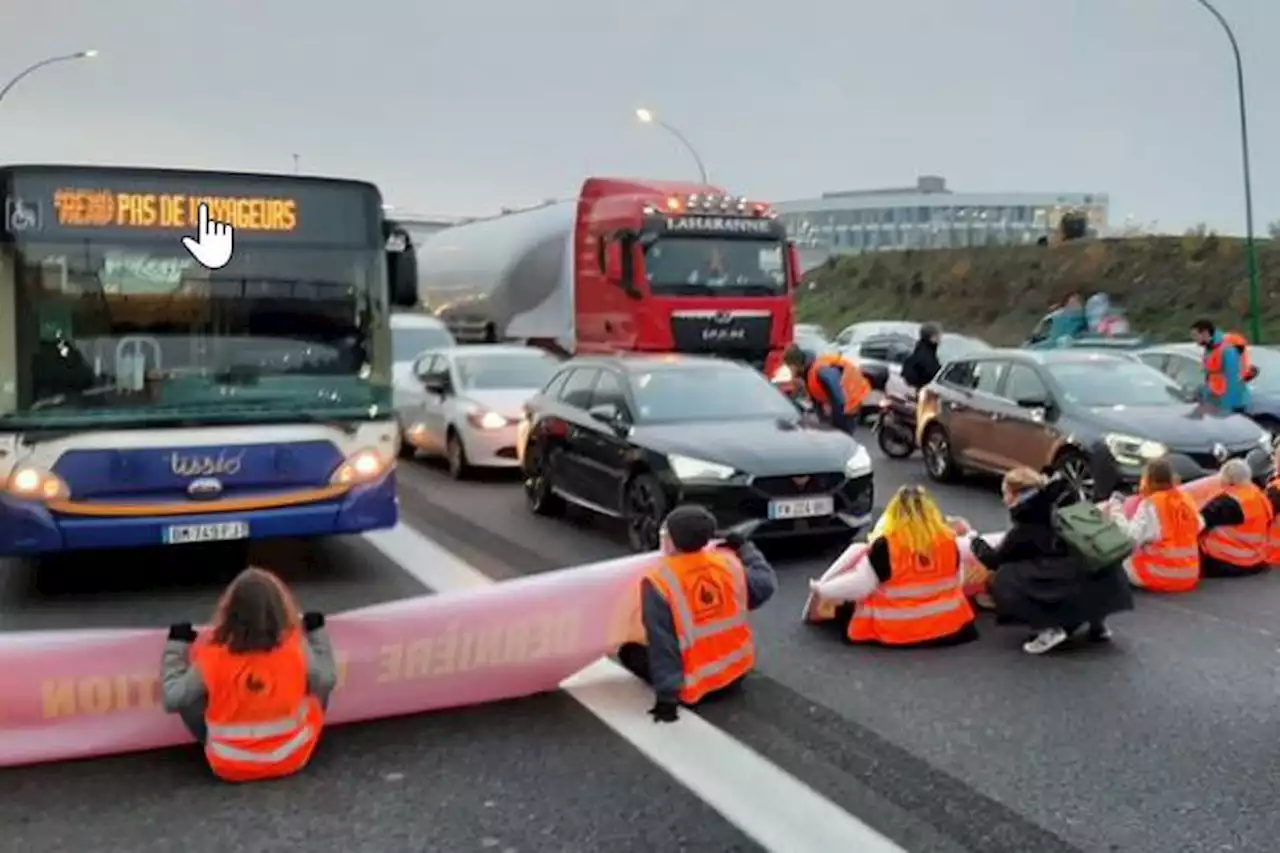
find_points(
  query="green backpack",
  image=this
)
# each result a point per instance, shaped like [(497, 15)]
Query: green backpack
[(1091, 536)]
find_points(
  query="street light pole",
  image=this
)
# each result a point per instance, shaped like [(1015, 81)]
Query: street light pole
[(84, 54), (647, 117), (1250, 248)]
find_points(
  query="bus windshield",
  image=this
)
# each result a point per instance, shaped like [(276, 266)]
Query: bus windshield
[(117, 329)]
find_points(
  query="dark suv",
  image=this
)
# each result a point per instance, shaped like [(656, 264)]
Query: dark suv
[(1095, 417)]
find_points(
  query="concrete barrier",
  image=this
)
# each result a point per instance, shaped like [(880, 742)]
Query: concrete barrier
[(78, 694)]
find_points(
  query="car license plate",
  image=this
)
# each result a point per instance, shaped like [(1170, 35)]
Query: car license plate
[(182, 534), (801, 508)]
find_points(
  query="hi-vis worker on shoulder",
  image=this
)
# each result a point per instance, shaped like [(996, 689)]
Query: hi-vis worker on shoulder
[(694, 605), (833, 382), (1227, 367), (1165, 529), (909, 588), (1237, 525), (254, 689)]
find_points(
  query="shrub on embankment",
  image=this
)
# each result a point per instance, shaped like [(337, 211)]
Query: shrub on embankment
[(1000, 293)]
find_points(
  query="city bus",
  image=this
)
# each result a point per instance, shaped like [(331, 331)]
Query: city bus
[(146, 400)]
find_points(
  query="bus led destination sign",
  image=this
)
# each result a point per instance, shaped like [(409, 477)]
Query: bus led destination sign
[(100, 207)]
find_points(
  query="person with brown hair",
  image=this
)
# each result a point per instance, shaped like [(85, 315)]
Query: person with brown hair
[(1165, 528), (1037, 580), (253, 689)]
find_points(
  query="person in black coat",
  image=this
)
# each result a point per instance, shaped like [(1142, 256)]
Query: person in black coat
[(1037, 580), (922, 365)]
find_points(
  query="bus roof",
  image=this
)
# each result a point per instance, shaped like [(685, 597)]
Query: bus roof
[(188, 174)]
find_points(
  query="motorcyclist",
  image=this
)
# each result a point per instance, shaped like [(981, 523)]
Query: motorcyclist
[(923, 364)]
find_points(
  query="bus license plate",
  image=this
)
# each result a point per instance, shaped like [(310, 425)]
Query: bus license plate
[(802, 508), (182, 534)]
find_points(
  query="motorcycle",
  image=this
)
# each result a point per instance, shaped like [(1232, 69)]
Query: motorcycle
[(896, 426)]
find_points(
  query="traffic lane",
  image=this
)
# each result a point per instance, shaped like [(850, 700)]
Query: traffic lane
[(1100, 748), (156, 587), (538, 775)]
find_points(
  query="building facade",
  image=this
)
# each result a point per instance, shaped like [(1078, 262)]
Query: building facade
[(930, 216)]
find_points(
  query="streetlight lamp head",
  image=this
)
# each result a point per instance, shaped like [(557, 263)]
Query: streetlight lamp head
[(644, 115), (87, 54)]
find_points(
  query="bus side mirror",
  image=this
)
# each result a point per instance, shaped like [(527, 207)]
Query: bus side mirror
[(402, 269)]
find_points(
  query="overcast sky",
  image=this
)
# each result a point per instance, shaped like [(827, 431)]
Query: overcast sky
[(462, 107)]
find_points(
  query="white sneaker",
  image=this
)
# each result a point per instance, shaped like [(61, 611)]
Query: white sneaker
[(1046, 641)]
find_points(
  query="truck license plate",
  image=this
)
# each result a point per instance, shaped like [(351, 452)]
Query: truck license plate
[(182, 534), (802, 508)]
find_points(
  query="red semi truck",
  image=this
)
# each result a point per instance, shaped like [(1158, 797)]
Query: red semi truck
[(629, 265)]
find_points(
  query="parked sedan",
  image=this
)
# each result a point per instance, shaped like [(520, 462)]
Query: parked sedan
[(632, 436), (1095, 417), (1182, 364), (470, 401)]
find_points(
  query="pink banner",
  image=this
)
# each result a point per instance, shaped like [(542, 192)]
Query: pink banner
[(78, 694)]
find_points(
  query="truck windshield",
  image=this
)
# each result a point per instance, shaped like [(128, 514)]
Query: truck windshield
[(114, 332), (700, 266)]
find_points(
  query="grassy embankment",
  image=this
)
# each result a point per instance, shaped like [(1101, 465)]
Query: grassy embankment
[(999, 293)]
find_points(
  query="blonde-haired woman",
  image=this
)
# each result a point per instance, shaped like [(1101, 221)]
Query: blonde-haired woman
[(1037, 580), (908, 590), (252, 690)]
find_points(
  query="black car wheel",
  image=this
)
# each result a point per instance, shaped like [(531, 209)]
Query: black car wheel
[(456, 456), (644, 506), (538, 492), (1076, 469), (939, 464)]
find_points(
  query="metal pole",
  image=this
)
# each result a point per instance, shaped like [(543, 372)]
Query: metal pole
[(1251, 249), (702, 169), (84, 54)]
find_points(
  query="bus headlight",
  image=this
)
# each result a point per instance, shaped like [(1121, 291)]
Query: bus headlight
[(37, 484), (363, 466)]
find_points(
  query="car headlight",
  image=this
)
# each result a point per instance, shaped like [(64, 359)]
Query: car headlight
[(1131, 450), (363, 466), (689, 468), (37, 484), (1264, 440), (481, 419), (782, 375), (859, 464)]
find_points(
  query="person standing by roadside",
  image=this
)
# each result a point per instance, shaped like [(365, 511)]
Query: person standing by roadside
[(254, 688), (1226, 368)]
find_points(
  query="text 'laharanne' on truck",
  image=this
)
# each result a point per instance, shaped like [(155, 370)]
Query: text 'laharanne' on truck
[(628, 265)]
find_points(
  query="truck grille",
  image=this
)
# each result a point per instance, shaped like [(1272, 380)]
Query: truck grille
[(726, 333)]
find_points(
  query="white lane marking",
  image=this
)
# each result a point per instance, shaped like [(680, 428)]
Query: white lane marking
[(776, 809)]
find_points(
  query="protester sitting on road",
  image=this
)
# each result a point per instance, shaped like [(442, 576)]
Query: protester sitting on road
[(922, 365), (1165, 529), (908, 590), (694, 607), (834, 384), (1037, 580), (1236, 525), (1226, 368), (253, 689), (1273, 498)]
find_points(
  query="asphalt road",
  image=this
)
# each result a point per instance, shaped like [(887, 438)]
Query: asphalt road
[(1164, 741)]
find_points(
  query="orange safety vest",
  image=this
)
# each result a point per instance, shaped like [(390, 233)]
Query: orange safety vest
[(923, 599), (1171, 564), (262, 721), (852, 382), (1212, 362), (707, 594), (1273, 535), (1245, 544)]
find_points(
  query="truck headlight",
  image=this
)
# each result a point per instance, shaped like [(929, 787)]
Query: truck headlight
[(689, 468), (859, 464), (37, 484), (1131, 450)]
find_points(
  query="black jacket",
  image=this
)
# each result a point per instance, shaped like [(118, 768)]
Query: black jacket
[(922, 365), (1038, 581)]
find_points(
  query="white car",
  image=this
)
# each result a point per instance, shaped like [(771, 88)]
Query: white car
[(469, 402), (411, 334)]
